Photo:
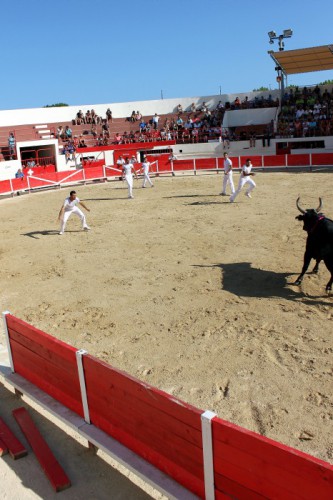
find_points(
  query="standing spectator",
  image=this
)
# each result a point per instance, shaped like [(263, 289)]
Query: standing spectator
[(193, 108), (227, 179), (109, 115), (127, 170), (11, 145), (70, 207), (245, 177), (155, 121)]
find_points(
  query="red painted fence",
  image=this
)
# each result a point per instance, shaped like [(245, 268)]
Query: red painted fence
[(160, 165), (164, 430)]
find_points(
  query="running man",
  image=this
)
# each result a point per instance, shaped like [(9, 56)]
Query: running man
[(245, 177), (70, 207), (227, 175)]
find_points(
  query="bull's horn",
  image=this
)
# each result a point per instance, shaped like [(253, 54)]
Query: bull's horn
[(299, 208), (320, 205)]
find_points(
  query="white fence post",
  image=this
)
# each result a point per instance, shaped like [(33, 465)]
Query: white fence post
[(207, 446), (79, 354), (9, 349)]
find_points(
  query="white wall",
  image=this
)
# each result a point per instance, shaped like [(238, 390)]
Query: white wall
[(119, 110), (243, 117)]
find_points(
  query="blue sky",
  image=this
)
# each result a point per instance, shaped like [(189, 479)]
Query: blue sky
[(101, 51)]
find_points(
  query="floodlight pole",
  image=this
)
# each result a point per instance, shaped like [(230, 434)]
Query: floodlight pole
[(272, 36)]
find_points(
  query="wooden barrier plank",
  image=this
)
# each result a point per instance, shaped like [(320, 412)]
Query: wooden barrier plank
[(51, 389), (15, 447), (192, 482), (244, 455), (164, 443), (47, 460), (61, 348), (100, 373), (3, 448), (44, 352), (48, 373), (147, 415)]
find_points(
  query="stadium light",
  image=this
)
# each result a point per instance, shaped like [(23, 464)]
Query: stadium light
[(273, 36)]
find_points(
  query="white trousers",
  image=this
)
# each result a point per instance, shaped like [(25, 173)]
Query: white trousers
[(228, 179), (146, 178), (129, 180), (68, 213), (241, 183)]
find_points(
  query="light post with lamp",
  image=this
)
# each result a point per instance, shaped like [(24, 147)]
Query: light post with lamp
[(273, 36)]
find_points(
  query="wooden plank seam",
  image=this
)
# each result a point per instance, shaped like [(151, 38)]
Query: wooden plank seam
[(4, 317), (207, 447), (79, 355)]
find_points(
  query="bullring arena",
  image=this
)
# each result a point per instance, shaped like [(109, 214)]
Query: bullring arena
[(187, 293)]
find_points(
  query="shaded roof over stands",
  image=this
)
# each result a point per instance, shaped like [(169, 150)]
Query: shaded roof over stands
[(304, 60)]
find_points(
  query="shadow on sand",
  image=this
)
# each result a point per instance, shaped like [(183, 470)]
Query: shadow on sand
[(243, 280)]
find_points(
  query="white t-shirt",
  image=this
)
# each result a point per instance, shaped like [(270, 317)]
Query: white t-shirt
[(145, 167), (121, 162), (227, 165), (246, 169), (69, 204), (128, 168)]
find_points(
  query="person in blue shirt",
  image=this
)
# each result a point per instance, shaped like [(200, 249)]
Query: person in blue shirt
[(19, 174)]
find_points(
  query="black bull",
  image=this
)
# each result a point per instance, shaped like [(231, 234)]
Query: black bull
[(319, 244)]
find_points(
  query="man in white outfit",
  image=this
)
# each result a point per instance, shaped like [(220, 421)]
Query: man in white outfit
[(145, 170), (70, 207), (227, 175), (128, 167), (245, 177)]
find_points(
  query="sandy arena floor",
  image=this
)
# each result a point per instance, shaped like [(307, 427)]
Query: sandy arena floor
[(188, 292)]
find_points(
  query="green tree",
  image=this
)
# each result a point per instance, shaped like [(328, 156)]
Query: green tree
[(260, 89), (56, 105)]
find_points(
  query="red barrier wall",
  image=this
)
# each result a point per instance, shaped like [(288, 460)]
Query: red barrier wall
[(166, 431), (156, 426), (46, 362)]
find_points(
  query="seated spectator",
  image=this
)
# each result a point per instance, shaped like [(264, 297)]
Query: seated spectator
[(138, 116), (88, 117), (99, 140), (68, 132), (19, 174), (237, 103), (204, 107), (76, 141), (193, 108), (31, 163), (132, 118), (117, 138), (109, 115), (179, 108), (79, 117), (220, 106), (60, 132), (82, 144), (142, 125), (246, 103), (179, 122)]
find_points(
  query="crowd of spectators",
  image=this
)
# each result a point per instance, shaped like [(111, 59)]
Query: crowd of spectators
[(306, 113)]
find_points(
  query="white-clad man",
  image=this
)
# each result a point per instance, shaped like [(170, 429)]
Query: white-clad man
[(227, 178), (128, 168), (70, 207), (245, 178), (145, 170)]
